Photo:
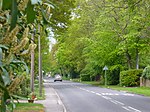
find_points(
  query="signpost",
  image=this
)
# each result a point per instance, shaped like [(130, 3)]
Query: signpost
[(105, 68)]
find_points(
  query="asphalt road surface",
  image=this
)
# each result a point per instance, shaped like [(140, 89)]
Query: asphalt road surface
[(79, 97)]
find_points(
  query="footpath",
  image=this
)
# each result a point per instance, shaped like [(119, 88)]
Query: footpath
[(52, 102)]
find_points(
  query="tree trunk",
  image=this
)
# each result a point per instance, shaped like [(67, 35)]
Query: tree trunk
[(137, 58), (128, 56)]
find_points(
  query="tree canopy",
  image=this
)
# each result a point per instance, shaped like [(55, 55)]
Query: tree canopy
[(106, 32)]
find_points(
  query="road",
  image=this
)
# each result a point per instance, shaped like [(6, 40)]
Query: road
[(79, 97)]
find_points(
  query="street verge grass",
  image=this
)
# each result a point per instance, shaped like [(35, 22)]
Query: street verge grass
[(29, 107), (36, 91), (136, 90)]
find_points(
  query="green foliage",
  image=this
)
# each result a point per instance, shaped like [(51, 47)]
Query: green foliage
[(146, 72), (30, 13), (114, 74), (130, 77), (100, 35), (85, 77)]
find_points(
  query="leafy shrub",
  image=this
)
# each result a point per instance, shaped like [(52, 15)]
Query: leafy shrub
[(146, 72), (85, 77), (130, 77), (114, 74), (92, 77)]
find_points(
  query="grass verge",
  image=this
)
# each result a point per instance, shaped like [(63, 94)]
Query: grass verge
[(29, 107), (136, 90), (36, 91)]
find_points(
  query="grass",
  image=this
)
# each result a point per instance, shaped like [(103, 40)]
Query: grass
[(36, 91), (136, 90), (29, 107)]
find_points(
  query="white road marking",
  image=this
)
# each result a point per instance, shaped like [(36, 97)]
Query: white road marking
[(127, 94), (104, 95), (113, 102), (136, 110), (126, 108), (98, 94), (119, 102), (92, 91), (108, 98), (87, 90)]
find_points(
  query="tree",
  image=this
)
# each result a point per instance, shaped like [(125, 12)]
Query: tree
[(112, 33)]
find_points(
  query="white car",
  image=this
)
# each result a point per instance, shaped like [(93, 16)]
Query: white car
[(57, 78)]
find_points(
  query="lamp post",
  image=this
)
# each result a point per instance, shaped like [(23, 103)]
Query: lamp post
[(105, 69), (40, 62), (32, 62)]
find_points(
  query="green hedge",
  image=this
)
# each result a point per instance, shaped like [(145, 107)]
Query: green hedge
[(130, 77), (85, 77)]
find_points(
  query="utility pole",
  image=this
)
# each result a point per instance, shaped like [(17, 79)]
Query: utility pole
[(40, 62), (32, 65)]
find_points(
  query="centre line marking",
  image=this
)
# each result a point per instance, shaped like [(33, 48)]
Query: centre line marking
[(113, 102), (98, 94), (136, 110), (126, 108), (119, 102), (92, 92)]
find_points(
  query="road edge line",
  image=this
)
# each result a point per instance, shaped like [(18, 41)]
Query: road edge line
[(60, 102)]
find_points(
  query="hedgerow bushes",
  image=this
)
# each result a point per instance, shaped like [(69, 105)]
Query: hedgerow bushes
[(85, 77), (130, 77)]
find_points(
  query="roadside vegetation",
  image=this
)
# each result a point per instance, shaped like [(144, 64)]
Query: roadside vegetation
[(89, 35), (23, 25), (29, 107), (111, 34)]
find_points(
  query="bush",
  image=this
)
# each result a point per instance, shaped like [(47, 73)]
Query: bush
[(146, 72), (130, 77), (114, 74), (85, 77)]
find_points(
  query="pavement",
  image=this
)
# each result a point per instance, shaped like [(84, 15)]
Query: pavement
[(52, 102)]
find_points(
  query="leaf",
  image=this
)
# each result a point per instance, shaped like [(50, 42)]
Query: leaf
[(3, 103), (13, 103), (19, 97), (45, 21), (6, 4), (16, 62), (31, 14), (14, 13), (4, 47), (4, 98), (50, 5), (5, 76)]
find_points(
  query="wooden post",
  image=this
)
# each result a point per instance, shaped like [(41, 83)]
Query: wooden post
[(32, 66), (40, 63)]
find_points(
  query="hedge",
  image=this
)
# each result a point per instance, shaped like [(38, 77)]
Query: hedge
[(85, 77), (130, 77)]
